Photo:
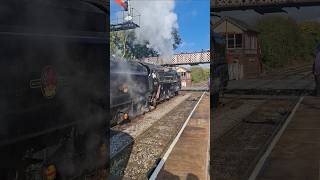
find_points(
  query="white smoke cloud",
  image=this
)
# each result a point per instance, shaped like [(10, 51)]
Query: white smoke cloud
[(157, 21)]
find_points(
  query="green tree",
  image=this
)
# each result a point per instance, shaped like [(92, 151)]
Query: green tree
[(122, 44), (310, 32), (176, 38), (281, 41), (119, 43), (206, 73), (200, 74)]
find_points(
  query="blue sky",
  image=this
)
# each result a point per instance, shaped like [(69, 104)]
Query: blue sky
[(194, 23)]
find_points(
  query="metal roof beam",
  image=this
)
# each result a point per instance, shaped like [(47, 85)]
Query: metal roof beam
[(225, 5), (266, 10)]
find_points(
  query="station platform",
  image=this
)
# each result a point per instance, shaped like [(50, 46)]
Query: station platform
[(201, 88), (189, 158), (296, 155), (264, 86)]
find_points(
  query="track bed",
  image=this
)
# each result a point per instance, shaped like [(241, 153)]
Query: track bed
[(144, 147), (236, 150)]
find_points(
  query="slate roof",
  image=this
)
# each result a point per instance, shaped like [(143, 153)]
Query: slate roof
[(241, 24), (186, 69)]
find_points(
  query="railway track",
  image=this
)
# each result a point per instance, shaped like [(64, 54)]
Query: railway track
[(297, 82), (250, 119), (136, 158), (302, 71), (272, 142), (123, 137), (239, 147), (230, 113)]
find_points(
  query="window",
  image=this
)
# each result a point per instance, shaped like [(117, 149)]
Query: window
[(183, 74), (234, 40), (231, 41), (238, 40)]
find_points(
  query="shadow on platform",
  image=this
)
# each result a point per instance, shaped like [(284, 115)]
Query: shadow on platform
[(166, 175)]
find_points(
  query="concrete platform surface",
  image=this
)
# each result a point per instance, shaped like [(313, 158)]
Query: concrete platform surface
[(271, 84), (196, 88), (190, 156), (296, 156)]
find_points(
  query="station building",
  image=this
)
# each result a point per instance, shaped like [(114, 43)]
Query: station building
[(186, 78), (243, 50)]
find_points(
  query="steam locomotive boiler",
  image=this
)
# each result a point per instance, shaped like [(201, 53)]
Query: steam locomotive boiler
[(136, 88), (52, 93), (129, 88)]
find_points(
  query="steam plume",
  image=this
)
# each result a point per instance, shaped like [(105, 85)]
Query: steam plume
[(157, 21)]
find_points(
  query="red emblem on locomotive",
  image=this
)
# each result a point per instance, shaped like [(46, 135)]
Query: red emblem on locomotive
[(49, 82)]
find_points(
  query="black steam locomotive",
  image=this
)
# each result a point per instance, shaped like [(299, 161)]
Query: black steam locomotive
[(53, 88), (136, 88)]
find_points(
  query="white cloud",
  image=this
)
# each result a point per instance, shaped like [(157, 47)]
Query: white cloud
[(187, 44)]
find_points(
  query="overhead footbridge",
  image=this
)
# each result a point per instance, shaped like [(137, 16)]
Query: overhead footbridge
[(189, 58)]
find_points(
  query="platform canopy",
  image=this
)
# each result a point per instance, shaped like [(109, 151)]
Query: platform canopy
[(260, 6)]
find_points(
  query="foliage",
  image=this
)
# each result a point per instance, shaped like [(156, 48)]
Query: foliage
[(310, 32), (123, 44), (200, 74), (284, 41), (118, 44), (281, 41), (176, 38)]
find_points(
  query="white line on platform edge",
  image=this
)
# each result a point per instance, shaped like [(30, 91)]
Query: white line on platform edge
[(166, 155), (262, 160), (207, 177)]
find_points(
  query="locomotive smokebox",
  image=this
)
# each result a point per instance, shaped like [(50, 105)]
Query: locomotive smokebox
[(53, 82)]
